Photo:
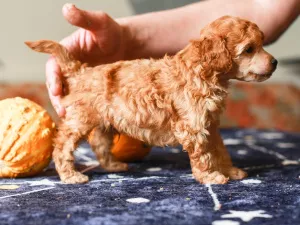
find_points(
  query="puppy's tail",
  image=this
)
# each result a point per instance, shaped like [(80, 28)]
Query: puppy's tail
[(65, 60)]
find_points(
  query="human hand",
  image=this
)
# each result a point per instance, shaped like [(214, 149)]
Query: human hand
[(99, 40)]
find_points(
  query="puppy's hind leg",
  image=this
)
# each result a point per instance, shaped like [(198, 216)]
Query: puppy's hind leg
[(65, 142), (101, 142)]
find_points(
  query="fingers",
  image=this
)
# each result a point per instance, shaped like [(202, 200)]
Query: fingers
[(89, 20), (94, 22), (55, 100), (54, 85), (53, 77)]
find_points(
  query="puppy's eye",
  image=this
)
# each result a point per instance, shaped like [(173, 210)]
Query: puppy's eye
[(249, 50)]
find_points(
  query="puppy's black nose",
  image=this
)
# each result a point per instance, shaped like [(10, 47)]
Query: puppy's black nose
[(274, 62)]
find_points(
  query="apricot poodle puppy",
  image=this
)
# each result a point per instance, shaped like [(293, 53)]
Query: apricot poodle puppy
[(169, 101)]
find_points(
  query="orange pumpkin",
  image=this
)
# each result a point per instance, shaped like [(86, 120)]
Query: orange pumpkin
[(128, 149), (26, 132)]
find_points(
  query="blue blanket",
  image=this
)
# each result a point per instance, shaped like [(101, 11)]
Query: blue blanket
[(161, 189)]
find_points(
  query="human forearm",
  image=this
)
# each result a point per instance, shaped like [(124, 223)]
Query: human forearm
[(275, 17), (157, 33), (154, 34)]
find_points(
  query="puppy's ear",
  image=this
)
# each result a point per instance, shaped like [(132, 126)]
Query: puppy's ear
[(212, 54)]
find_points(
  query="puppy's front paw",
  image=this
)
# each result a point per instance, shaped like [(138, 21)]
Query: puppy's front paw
[(206, 177), (75, 178)]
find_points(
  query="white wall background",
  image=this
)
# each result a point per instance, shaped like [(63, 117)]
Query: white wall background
[(42, 19), (287, 48), (22, 20)]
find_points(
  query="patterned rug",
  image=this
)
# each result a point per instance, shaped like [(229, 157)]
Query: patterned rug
[(161, 189)]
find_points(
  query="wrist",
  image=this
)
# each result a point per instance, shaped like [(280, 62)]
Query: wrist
[(135, 37)]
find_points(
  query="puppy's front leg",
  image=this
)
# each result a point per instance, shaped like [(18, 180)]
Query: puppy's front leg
[(206, 163), (225, 163)]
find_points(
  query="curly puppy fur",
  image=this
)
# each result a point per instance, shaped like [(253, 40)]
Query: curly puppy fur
[(169, 101)]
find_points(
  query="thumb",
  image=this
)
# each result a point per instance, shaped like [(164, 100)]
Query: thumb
[(89, 20)]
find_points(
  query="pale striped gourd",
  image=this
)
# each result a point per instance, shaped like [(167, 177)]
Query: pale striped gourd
[(26, 132)]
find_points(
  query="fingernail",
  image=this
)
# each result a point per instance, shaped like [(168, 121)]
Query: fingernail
[(48, 86), (69, 6), (52, 88), (55, 85), (59, 110), (56, 110)]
